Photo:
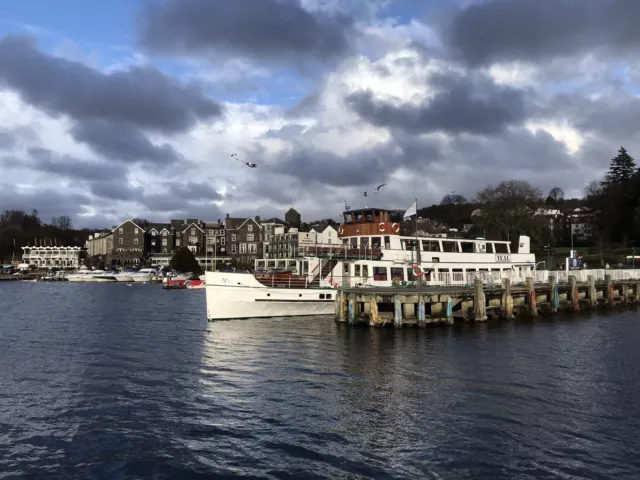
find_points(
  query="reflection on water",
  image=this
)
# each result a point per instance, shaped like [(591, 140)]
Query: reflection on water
[(104, 381)]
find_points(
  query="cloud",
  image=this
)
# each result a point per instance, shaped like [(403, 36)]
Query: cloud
[(6, 140), (48, 202), (47, 161), (120, 142), (535, 30), (272, 31), (464, 104), (141, 96)]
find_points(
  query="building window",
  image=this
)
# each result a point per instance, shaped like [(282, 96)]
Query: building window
[(153, 243), (164, 242), (243, 248), (223, 240), (253, 248), (233, 237), (120, 241), (120, 231), (249, 237), (233, 248), (177, 242), (193, 240), (211, 240), (135, 241), (135, 231), (164, 233), (211, 232), (249, 228), (193, 231)]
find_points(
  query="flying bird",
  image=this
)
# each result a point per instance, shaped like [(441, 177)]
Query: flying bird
[(377, 189), (248, 164), (366, 194), (346, 206)]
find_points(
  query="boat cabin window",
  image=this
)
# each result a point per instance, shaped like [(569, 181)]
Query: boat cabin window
[(356, 270), (387, 242), (292, 263), (375, 242), (449, 246), (501, 247), (471, 270), (380, 273), (496, 269), (467, 247), (271, 264), (328, 296), (397, 273), (354, 243), (430, 246), (365, 271), (435, 259), (409, 244), (364, 241), (281, 264)]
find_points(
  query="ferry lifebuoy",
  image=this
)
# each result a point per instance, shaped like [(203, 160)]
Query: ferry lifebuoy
[(417, 271), (382, 227), (395, 228), (340, 230)]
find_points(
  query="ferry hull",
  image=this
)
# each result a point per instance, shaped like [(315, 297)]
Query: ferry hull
[(239, 296)]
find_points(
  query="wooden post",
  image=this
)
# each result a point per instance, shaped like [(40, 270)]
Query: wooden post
[(373, 311), (344, 307), (507, 299), (352, 309), (479, 302), (421, 311), (397, 311), (637, 292), (554, 298), (573, 294), (337, 304), (531, 297), (449, 311), (625, 293), (608, 290), (592, 294)]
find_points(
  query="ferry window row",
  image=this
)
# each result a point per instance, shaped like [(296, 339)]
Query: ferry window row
[(431, 245), (382, 274)]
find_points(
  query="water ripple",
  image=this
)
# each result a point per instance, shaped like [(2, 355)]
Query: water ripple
[(100, 381)]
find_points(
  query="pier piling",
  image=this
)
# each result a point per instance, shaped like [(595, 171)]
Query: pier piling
[(573, 294), (554, 297), (531, 297), (479, 302), (507, 299)]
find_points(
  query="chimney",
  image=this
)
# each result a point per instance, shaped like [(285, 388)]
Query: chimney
[(227, 215), (257, 217)]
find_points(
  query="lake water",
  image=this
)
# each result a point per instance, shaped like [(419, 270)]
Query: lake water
[(109, 381)]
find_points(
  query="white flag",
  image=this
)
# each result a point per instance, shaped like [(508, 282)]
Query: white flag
[(412, 210)]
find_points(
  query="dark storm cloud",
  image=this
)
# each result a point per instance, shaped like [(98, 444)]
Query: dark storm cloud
[(140, 96), (538, 29), (363, 168), (47, 202), (6, 140), (115, 189), (612, 116), (466, 104), (192, 191), (268, 30), (120, 142), (45, 161)]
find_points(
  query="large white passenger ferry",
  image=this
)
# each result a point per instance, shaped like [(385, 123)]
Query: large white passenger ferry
[(371, 253)]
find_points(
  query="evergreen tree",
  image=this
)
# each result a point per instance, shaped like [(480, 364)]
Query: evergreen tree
[(184, 261), (621, 171)]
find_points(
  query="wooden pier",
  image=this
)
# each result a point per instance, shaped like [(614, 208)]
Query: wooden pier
[(398, 307)]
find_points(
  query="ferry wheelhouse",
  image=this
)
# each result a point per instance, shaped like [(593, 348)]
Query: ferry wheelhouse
[(371, 252)]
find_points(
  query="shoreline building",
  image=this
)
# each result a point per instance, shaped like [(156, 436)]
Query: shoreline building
[(60, 257)]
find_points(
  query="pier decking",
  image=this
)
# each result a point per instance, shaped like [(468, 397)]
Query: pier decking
[(479, 302)]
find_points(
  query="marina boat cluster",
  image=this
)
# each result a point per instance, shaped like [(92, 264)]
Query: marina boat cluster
[(144, 275)]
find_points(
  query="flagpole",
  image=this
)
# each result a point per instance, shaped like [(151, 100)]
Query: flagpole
[(416, 246)]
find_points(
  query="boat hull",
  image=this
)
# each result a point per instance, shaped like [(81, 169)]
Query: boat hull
[(239, 296), (142, 278), (104, 279)]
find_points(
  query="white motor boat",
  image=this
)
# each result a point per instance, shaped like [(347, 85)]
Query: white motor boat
[(144, 275), (85, 275)]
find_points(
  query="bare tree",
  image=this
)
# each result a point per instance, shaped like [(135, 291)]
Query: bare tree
[(63, 222), (556, 195), (508, 209), (453, 199)]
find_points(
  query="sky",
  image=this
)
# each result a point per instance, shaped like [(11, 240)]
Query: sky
[(134, 108)]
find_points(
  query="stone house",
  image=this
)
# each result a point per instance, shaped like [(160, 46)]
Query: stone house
[(191, 236), (129, 243), (243, 239)]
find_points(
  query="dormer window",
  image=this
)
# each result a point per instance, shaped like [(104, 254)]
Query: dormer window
[(193, 231), (164, 233), (249, 228)]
